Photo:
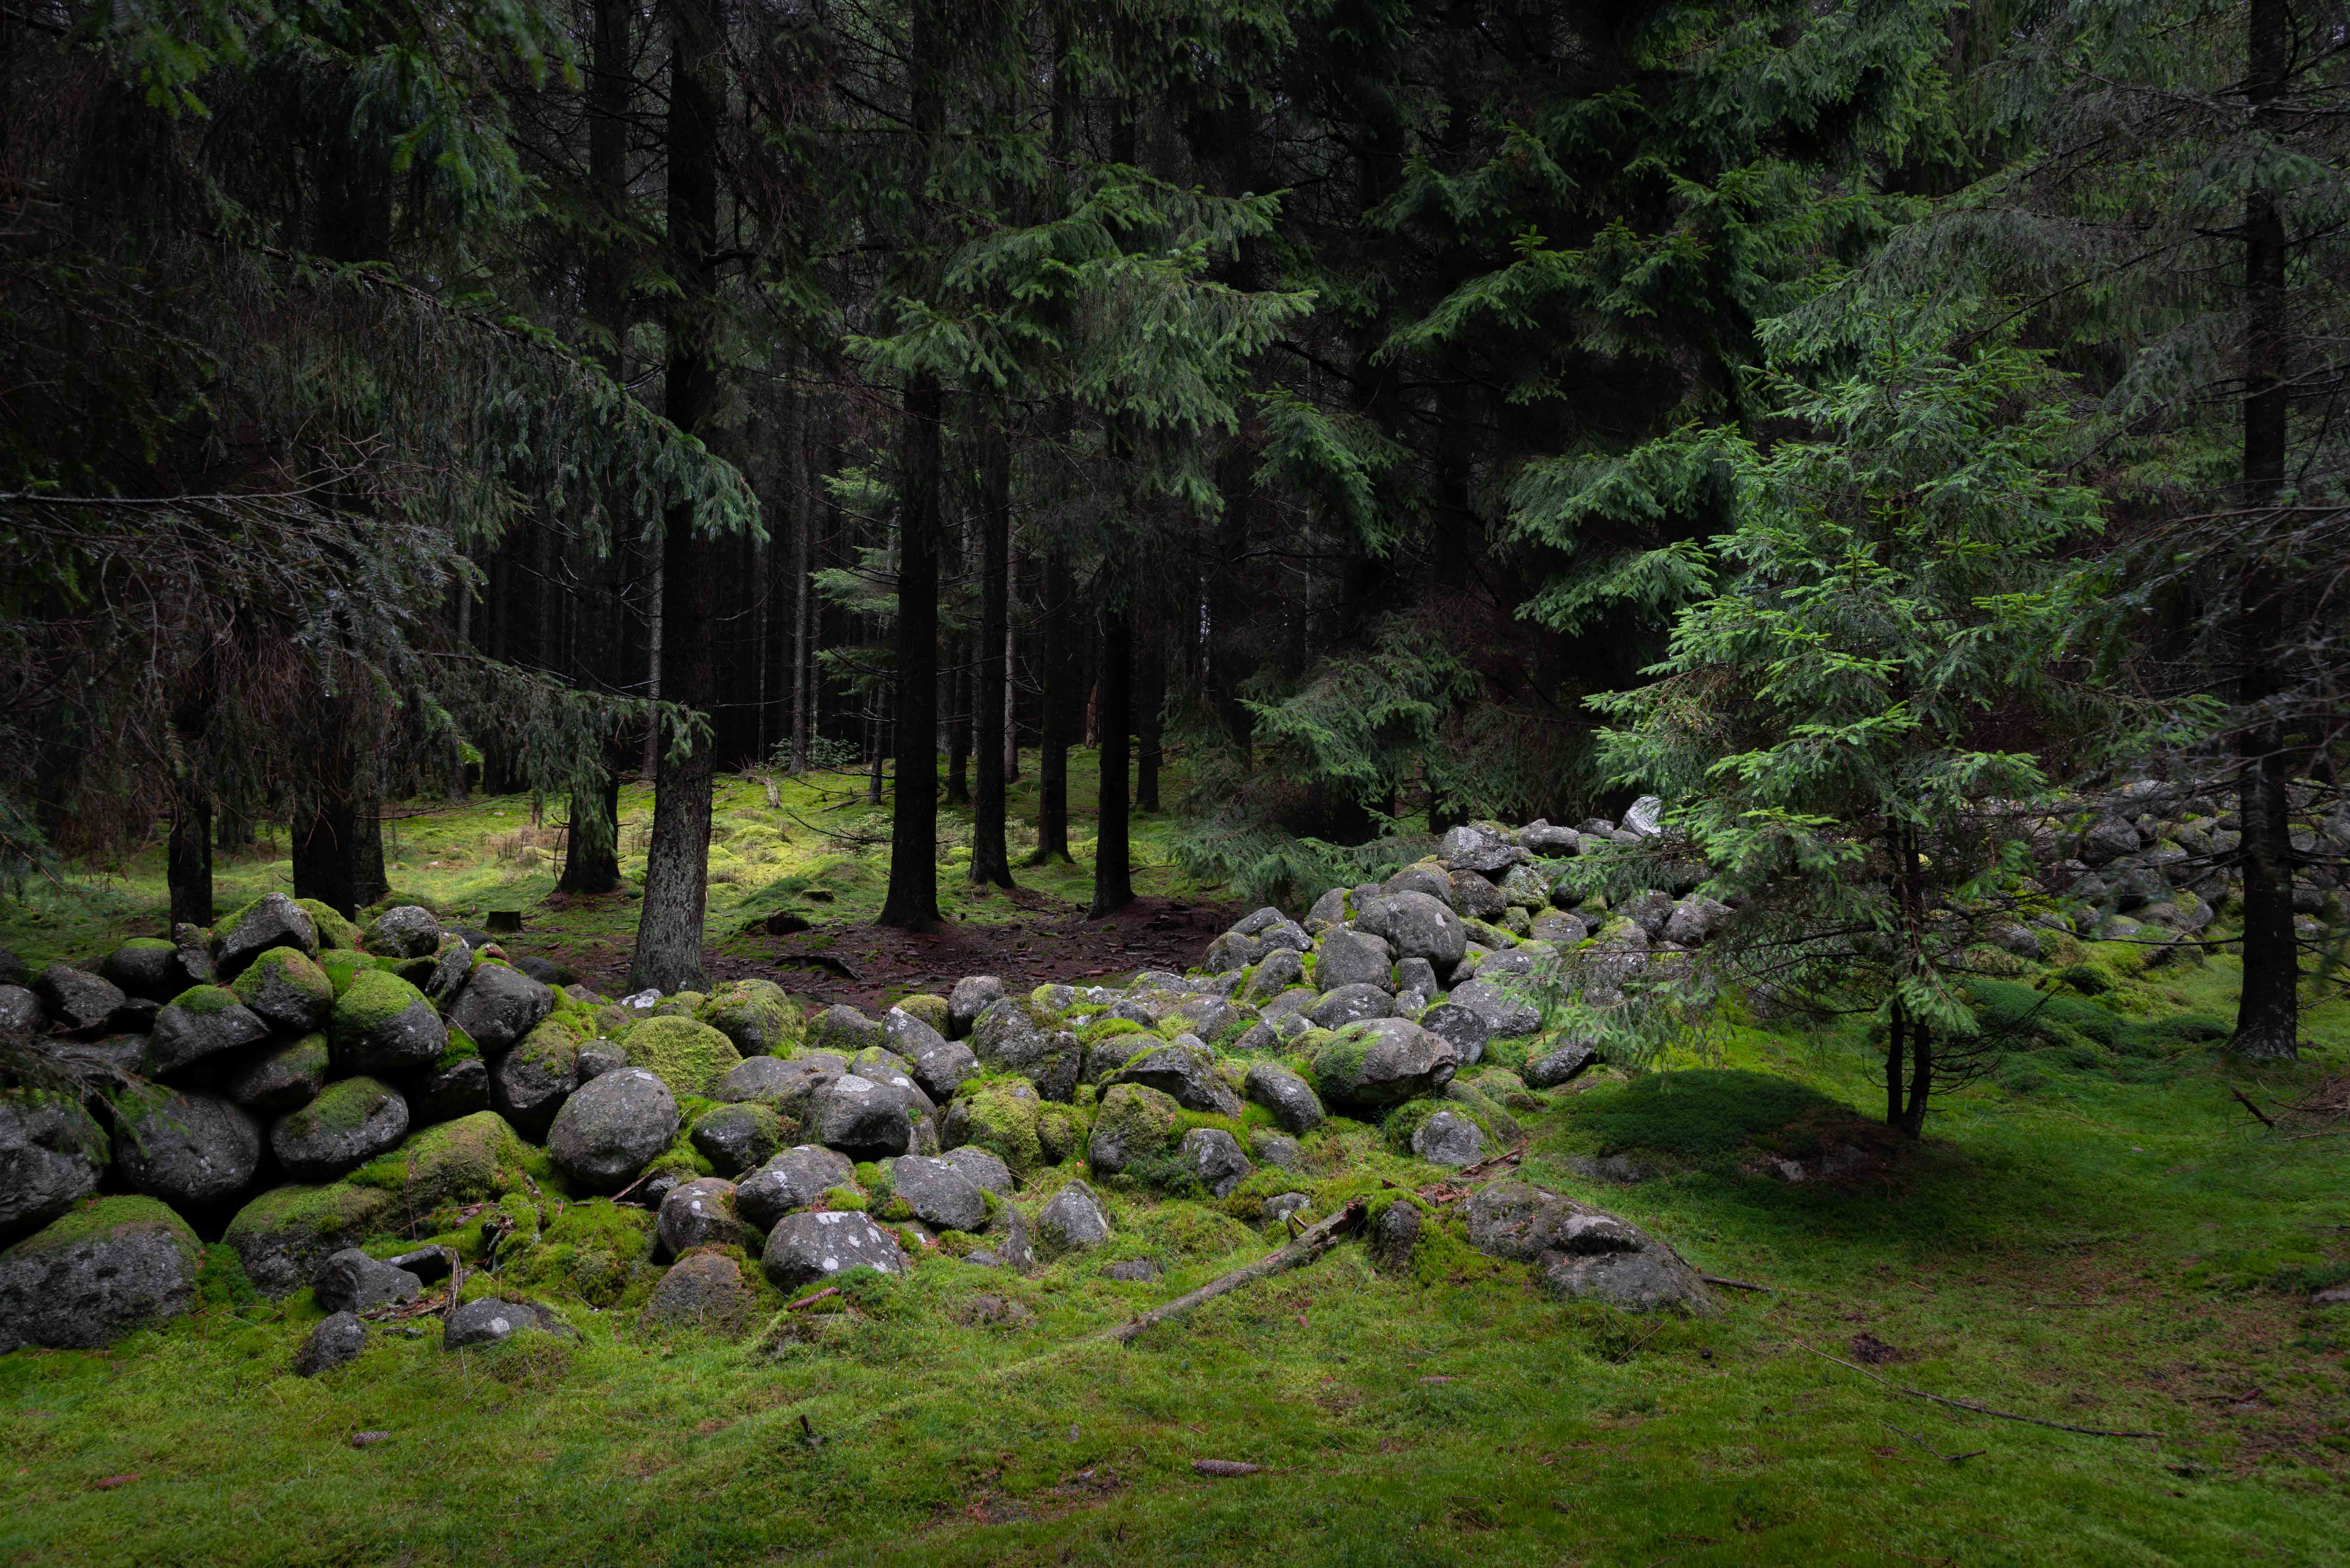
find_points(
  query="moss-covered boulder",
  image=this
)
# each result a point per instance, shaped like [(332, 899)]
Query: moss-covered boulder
[(404, 931), (283, 1077), (98, 1273), (590, 1251), (272, 920), (472, 1159), (1137, 1126), (334, 931), (200, 1026), (1381, 1062), (757, 1015), (382, 1024), (930, 1010), (456, 1084), (736, 1139), (148, 967), (51, 1152), (340, 967), (191, 1150), (691, 1057), (287, 991), (999, 1116), (283, 1236), (710, 1292), (531, 1082), (350, 1123), (843, 1029)]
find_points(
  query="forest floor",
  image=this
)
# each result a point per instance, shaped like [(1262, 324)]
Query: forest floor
[(2121, 1247), (818, 856)]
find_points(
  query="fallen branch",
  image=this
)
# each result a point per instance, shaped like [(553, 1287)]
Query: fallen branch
[(817, 1296), (1504, 1157), (1311, 1243), (1728, 1283), (1979, 1409), (1225, 1467), (2251, 1107), (1946, 1458)]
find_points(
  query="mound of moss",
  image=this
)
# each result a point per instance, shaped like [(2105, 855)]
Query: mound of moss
[(2005, 1008), (691, 1057), (1698, 1116)]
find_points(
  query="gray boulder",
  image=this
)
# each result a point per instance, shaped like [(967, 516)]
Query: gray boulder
[(968, 1000), (1347, 1004), (1329, 909), (1384, 1061), (1279, 970), (1073, 1220), (861, 1118), (287, 991), (939, 1065), (1215, 1158), (1506, 1009), (490, 1321), (793, 1180), (351, 1281), (1475, 898), (349, 1124), (1354, 957), (1282, 1206), (736, 1139), (1417, 924), (1009, 1038), (405, 931), (806, 1248), (499, 1005), (51, 1153), (530, 1082), (383, 1025), (842, 1028), (191, 1150), (21, 1012), (982, 1169), (203, 1022), (76, 1000), (1693, 920), (1433, 880), (1526, 888), (447, 1090), (705, 1292), (776, 1081), (334, 1343), (1583, 1254), (96, 1274), (1289, 1097), (2107, 841), (1562, 1064), (273, 920), (1448, 1137), (147, 967), (611, 1127), (1464, 1028), (1477, 847), (283, 1077), (940, 1194), (1395, 1237), (1185, 1072), (699, 1213), (1644, 817), (451, 969)]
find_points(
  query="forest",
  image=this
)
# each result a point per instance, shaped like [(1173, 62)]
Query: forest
[(1333, 781)]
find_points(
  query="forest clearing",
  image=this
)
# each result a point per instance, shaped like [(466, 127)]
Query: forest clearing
[(1334, 782)]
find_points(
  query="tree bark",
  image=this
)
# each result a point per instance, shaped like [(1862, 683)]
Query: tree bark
[(991, 859), (912, 900), (2268, 1009), (1058, 705), (322, 855), (591, 851), (1113, 869), (189, 856), (670, 927), (1150, 687)]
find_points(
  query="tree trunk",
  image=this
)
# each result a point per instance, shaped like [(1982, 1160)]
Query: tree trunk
[(669, 926), (1150, 687), (1112, 872), (1896, 1054), (591, 849), (1058, 705), (991, 860), (1921, 1077), (322, 855), (802, 522), (2268, 1009), (958, 727), (189, 856), (912, 900)]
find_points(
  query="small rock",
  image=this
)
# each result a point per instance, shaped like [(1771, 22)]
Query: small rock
[(1384, 1061), (1395, 1236), (1350, 1004), (1450, 1139), (793, 1180), (1134, 1271), (968, 1000), (804, 1249), (1278, 1149), (982, 1169), (1290, 1098), (940, 1194), (1279, 1208), (287, 991), (1185, 1072), (736, 1139), (1073, 1220), (384, 1025), (20, 1011), (351, 1281), (705, 1292), (1215, 1158), (499, 1005), (843, 1028), (700, 1213), (273, 920), (338, 1340), (203, 1022), (1417, 924), (1561, 1065), (405, 931), (488, 1321), (147, 967), (530, 1082), (1465, 1029)]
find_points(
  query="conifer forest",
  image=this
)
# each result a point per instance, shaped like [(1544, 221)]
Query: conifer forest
[(1107, 782)]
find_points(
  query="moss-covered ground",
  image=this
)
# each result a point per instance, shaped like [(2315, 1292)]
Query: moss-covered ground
[(2116, 1244)]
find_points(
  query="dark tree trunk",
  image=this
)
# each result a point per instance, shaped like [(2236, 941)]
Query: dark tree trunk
[(1921, 1077), (1150, 695), (991, 860), (2268, 1010), (322, 855), (1113, 870), (912, 900), (189, 863), (1897, 1053), (958, 725), (669, 926), (591, 851), (1058, 706)]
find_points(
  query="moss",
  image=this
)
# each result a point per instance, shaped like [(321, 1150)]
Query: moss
[(757, 1015), (205, 1001), (343, 1106), (470, 1160), (336, 1212), (374, 999), (286, 969), (460, 1048), (105, 1216), (341, 967), (1144, 1125), (334, 931), (222, 1284), (1103, 1029), (930, 1010), (844, 1198), (1002, 1123), (1061, 1131), (691, 1057), (550, 1046), (681, 1159)]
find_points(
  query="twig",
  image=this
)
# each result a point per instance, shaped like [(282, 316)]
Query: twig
[(1636, 1345), (819, 1295), (1225, 1467), (1729, 1283), (1979, 1409), (1946, 1458), (1504, 1157), (2250, 1106), (1315, 1241)]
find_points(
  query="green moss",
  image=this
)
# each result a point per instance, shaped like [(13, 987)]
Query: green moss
[(334, 931), (340, 966), (470, 1160), (551, 1046), (222, 1285), (691, 1057), (460, 1048), (337, 1209), (205, 1001), (930, 1010), (1003, 1122), (681, 1159), (103, 1217), (844, 1198), (287, 969), (374, 998), (343, 1106), (1102, 1029)]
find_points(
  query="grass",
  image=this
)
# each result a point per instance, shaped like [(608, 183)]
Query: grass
[(820, 852), (2100, 1251)]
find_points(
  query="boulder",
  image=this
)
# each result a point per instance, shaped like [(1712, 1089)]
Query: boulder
[(885, 1067), (982, 1168), (1328, 910), (1506, 1009), (202, 1023), (76, 1000), (1384, 1061), (1215, 1158), (1475, 898), (793, 1180), (352, 1122), (1395, 1237), (2107, 841), (1135, 1272), (843, 1028), (1282, 1206), (758, 1015), (453, 966), (282, 1077), (611, 1127), (1289, 1097), (404, 931), (705, 1292), (284, 1234), (1584, 1254), (968, 1000), (1644, 817), (351, 1281), (699, 1213), (383, 1025), (1073, 1220), (1693, 920), (1279, 970), (804, 1248), (736, 1139), (272, 920), (1135, 1123), (21, 1012), (1448, 1137), (1526, 888), (1650, 909), (334, 1343), (1185, 1072), (1354, 957), (456, 1086), (1561, 1065), (688, 1055), (191, 1150), (499, 1005), (530, 1082), (940, 1194), (943, 1067), (1479, 848), (147, 967), (1427, 877), (51, 1154), (863, 1119), (490, 1321), (1010, 1038), (1463, 1028), (97, 1273), (1416, 925), (1349, 1004)]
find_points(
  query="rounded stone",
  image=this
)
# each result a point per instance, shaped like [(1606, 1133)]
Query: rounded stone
[(282, 1077), (699, 1213), (287, 991), (808, 1248), (51, 1154), (793, 1180), (191, 1150), (404, 931), (499, 1005), (1215, 1158), (938, 1194), (1448, 1137), (349, 1124), (736, 1139), (97, 1273), (383, 1024), (611, 1127), (272, 920)]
